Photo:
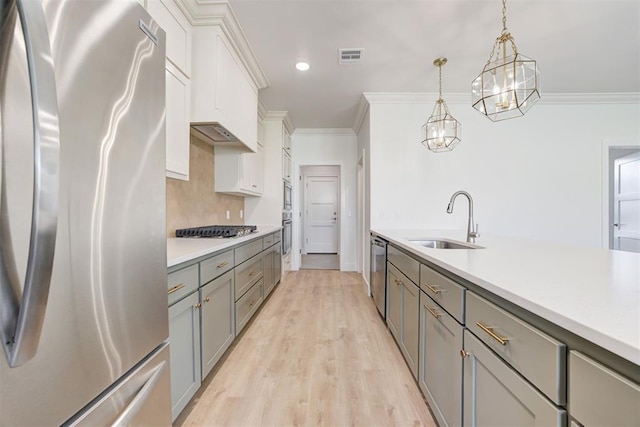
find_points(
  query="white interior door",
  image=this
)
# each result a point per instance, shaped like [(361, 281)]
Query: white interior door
[(321, 197), (626, 210)]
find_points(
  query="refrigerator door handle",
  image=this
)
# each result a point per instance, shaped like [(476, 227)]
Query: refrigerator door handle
[(127, 416), (21, 320)]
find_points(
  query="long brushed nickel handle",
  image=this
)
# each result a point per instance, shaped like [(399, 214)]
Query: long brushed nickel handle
[(492, 334), (176, 288)]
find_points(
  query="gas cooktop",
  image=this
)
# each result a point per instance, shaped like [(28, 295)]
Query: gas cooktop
[(220, 231)]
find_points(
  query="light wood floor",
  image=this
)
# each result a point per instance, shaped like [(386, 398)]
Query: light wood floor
[(317, 354), (320, 262)]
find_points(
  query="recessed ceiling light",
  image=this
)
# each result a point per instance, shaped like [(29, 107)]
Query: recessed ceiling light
[(302, 66)]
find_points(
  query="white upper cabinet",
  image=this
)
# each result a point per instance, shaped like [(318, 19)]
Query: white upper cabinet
[(223, 92), (237, 173), (178, 30), (178, 88), (178, 84)]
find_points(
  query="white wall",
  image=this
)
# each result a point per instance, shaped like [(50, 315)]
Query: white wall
[(537, 176), (328, 147), (267, 209), (364, 147)]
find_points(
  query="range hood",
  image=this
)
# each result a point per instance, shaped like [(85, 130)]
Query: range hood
[(214, 133)]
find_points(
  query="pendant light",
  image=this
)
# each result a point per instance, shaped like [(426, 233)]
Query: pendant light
[(508, 85), (441, 132)]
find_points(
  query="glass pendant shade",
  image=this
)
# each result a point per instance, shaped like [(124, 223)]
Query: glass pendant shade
[(442, 132), (509, 85), (506, 88)]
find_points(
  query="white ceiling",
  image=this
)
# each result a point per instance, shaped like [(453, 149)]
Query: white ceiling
[(581, 46)]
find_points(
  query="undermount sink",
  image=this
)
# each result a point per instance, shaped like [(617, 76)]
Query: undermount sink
[(443, 244)]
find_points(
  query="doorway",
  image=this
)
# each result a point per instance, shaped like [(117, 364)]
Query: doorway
[(320, 240), (624, 199)]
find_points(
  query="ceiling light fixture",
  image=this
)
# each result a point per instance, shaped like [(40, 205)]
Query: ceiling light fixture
[(302, 66), (507, 87), (441, 132)]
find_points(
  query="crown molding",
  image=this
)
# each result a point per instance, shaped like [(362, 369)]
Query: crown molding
[(219, 13), (325, 131), (282, 116), (363, 109), (465, 98)]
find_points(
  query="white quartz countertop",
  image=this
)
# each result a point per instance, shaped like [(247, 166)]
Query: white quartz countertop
[(181, 250), (593, 293)]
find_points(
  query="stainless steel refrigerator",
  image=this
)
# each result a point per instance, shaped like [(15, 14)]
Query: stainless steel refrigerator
[(83, 302)]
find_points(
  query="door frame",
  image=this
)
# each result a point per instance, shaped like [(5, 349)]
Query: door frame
[(298, 206), (303, 203), (609, 146)]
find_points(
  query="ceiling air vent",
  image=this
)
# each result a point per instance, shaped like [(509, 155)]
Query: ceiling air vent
[(349, 56)]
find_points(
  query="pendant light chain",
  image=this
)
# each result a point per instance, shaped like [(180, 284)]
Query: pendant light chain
[(440, 82), (505, 36)]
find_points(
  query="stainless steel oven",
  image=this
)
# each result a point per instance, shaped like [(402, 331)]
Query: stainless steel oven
[(286, 206), (286, 232)]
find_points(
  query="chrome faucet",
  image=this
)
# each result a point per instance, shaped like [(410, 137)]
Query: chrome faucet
[(472, 229)]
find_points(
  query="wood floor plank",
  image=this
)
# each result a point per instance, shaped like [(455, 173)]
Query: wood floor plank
[(317, 354)]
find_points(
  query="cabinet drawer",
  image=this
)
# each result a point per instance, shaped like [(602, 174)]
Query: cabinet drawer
[(215, 266), (276, 237), (409, 266), (182, 283), (538, 357), (599, 396), (247, 274), (247, 306), (444, 291), (267, 241), (246, 251)]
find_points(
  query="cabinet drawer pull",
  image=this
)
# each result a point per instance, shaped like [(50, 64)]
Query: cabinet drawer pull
[(252, 274), (492, 334), (198, 305), (176, 288), (251, 303), (207, 299), (433, 312), (224, 264), (434, 289), (398, 282)]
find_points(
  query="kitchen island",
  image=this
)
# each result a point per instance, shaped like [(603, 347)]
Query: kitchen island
[(540, 326)]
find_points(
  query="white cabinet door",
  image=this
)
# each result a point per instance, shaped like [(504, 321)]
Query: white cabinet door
[(239, 174), (178, 88), (286, 166), (178, 32)]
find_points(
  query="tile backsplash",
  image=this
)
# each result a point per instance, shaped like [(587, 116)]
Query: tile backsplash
[(194, 203)]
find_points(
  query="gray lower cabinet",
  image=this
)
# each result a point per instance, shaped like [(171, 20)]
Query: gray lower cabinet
[(247, 306), (394, 301), (269, 273), (403, 312), (495, 395), (440, 365), (277, 261), (600, 397), (184, 340), (217, 316)]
